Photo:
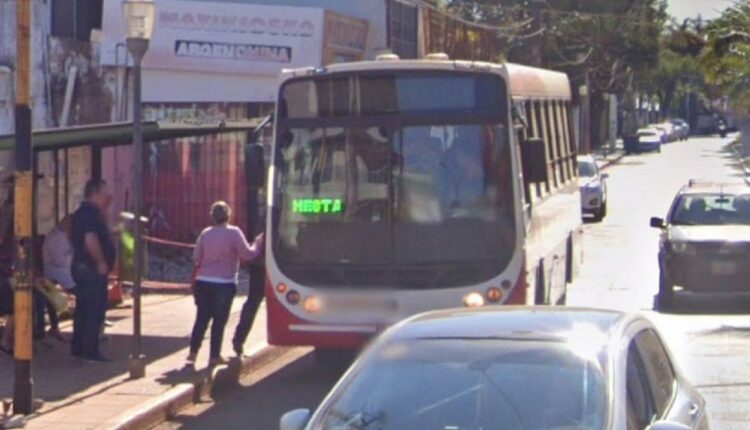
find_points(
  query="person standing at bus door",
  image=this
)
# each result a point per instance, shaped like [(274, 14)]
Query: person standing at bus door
[(94, 256), (255, 296), (218, 252)]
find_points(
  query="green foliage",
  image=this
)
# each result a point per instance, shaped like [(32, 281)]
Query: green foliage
[(726, 57), (678, 70), (614, 40)]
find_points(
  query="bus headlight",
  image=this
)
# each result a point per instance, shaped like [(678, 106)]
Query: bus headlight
[(311, 304), (281, 288), (473, 300)]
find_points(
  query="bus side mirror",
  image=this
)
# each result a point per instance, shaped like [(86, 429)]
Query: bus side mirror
[(255, 170), (534, 160)]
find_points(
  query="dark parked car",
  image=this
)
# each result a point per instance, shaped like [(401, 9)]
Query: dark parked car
[(705, 240)]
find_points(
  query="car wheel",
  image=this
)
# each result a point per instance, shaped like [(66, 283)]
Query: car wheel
[(603, 210), (666, 291), (658, 149)]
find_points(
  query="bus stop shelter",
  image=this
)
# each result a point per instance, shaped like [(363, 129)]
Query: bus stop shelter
[(57, 142)]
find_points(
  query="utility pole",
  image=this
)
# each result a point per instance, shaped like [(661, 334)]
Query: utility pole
[(538, 44), (139, 20), (587, 112), (23, 215)]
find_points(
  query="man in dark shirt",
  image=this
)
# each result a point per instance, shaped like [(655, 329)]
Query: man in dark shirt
[(93, 258)]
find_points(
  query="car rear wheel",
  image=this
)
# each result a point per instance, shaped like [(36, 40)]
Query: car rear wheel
[(600, 213), (666, 291)]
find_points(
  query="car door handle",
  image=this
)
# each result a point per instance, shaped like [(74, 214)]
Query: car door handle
[(694, 410)]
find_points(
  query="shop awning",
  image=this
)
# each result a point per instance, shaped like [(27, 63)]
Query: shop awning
[(121, 133)]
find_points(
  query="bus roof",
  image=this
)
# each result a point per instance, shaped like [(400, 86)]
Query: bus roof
[(530, 82), (525, 81)]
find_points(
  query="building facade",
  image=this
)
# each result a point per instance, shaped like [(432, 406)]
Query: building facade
[(208, 60)]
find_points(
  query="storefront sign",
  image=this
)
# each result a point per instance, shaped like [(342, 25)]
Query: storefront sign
[(345, 38), (221, 37)]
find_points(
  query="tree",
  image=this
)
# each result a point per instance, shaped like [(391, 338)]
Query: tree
[(725, 60), (612, 41), (678, 71)]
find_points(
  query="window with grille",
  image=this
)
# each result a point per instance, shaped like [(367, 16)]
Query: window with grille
[(403, 29)]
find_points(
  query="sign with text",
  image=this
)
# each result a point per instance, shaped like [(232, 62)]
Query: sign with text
[(221, 37), (345, 38)]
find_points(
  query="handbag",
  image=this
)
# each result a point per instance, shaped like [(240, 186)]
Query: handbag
[(53, 294)]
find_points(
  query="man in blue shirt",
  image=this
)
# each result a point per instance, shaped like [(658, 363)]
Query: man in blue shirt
[(93, 258)]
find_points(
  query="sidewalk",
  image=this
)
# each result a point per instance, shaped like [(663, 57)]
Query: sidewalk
[(80, 395), (742, 162), (605, 157)]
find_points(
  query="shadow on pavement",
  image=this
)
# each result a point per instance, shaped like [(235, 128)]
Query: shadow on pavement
[(57, 375), (260, 404)]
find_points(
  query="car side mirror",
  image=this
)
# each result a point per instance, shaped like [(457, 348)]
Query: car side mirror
[(667, 425), (657, 222), (605, 175), (294, 420), (534, 160)]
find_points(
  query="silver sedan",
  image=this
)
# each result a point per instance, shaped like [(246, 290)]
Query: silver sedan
[(512, 368)]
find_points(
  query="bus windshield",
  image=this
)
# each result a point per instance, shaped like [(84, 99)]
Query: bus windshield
[(389, 197)]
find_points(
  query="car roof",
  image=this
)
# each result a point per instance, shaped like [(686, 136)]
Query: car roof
[(510, 322), (587, 158), (699, 186)]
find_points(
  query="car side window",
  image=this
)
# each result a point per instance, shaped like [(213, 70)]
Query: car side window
[(641, 410), (659, 371)]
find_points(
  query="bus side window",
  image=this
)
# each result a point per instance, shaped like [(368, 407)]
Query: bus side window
[(540, 131), (522, 133)]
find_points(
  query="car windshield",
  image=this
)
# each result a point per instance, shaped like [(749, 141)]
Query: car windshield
[(586, 169), (463, 384), (712, 209)]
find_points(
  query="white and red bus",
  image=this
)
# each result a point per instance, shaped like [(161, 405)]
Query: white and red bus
[(401, 186)]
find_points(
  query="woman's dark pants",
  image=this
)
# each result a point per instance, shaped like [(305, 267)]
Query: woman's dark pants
[(214, 302)]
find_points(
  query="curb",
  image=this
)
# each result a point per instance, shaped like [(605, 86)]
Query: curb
[(612, 161), (168, 404)]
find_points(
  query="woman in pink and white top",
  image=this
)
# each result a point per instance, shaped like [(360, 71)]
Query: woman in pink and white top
[(217, 256)]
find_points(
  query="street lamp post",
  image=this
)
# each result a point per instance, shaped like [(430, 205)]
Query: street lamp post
[(139, 24)]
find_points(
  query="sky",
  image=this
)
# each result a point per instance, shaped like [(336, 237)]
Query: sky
[(682, 9)]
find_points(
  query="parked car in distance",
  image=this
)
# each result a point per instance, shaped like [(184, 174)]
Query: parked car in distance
[(512, 368), (670, 132), (593, 185), (650, 139), (705, 240), (682, 127)]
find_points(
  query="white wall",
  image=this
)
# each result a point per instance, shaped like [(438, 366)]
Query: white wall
[(40, 23)]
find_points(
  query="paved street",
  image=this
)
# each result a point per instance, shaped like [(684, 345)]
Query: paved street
[(707, 335)]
